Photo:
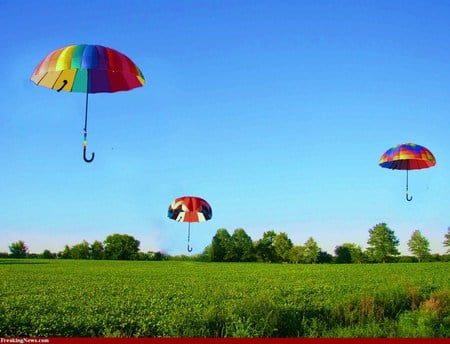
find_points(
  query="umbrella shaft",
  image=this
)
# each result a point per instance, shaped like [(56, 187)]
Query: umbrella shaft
[(86, 112), (406, 180)]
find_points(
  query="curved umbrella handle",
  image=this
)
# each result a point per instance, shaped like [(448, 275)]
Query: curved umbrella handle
[(84, 155), (63, 85), (189, 248), (84, 148), (408, 198)]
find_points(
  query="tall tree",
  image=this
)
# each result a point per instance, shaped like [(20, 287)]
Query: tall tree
[(207, 253), (356, 253), (121, 247), (241, 247), (343, 255), (447, 240), (265, 250), (349, 253), (80, 251), (297, 254), (220, 245), (47, 254), (97, 251), (18, 249), (324, 257), (65, 254), (282, 245), (419, 245), (311, 253), (382, 243)]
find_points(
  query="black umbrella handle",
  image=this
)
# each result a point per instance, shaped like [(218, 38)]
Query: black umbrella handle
[(84, 155), (84, 150), (63, 85)]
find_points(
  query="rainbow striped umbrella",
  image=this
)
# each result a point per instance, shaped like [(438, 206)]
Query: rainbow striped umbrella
[(87, 69), (189, 209), (407, 156)]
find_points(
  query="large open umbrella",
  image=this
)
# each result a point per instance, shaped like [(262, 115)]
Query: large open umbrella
[(87, 69), (189, 209), (407, 156)]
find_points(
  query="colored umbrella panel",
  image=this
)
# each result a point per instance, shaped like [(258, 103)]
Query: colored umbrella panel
[(407, 156), (88, 69), (189, 209)]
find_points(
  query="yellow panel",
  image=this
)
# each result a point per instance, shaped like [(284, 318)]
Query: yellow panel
[(141, 79), (36, 78), (68, 75), (65, 58), (49, 79)]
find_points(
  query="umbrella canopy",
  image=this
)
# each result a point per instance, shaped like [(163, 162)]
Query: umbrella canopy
[(407, 156), (88, 69), (189, 209)]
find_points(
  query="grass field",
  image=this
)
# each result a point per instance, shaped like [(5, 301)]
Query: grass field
[(68, 298)]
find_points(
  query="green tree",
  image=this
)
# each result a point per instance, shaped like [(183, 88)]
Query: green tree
[(18, 249), (343, 255), (419, 246), (207, 253), (356, 253), (80, 251), (311, 253), (97, 251), (47, 255), (241, 247), (264, 247), (282, 245), (220, 245), (349, 253), (324, 257), (121, 247), (297, 253), (65, 254), (447, 240), (156, 256), (382, 243)]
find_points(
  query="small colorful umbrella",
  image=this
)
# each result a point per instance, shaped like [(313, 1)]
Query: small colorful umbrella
[(407, 156), (189, 209), (87, 69)]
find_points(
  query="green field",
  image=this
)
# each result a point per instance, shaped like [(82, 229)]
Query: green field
[(69, 298)]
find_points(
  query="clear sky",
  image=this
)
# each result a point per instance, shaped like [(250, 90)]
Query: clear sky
[(275, 112)]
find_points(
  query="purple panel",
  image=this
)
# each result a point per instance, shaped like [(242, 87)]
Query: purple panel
[(98, 81), (102, 62)]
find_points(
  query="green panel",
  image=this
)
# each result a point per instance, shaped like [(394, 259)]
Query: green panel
[(80, 82), (77, 56)]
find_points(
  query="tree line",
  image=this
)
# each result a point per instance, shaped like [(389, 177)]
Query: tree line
[(239, 247), (278, 248)]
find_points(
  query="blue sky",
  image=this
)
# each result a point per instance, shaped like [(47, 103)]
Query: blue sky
[(276, 112)]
